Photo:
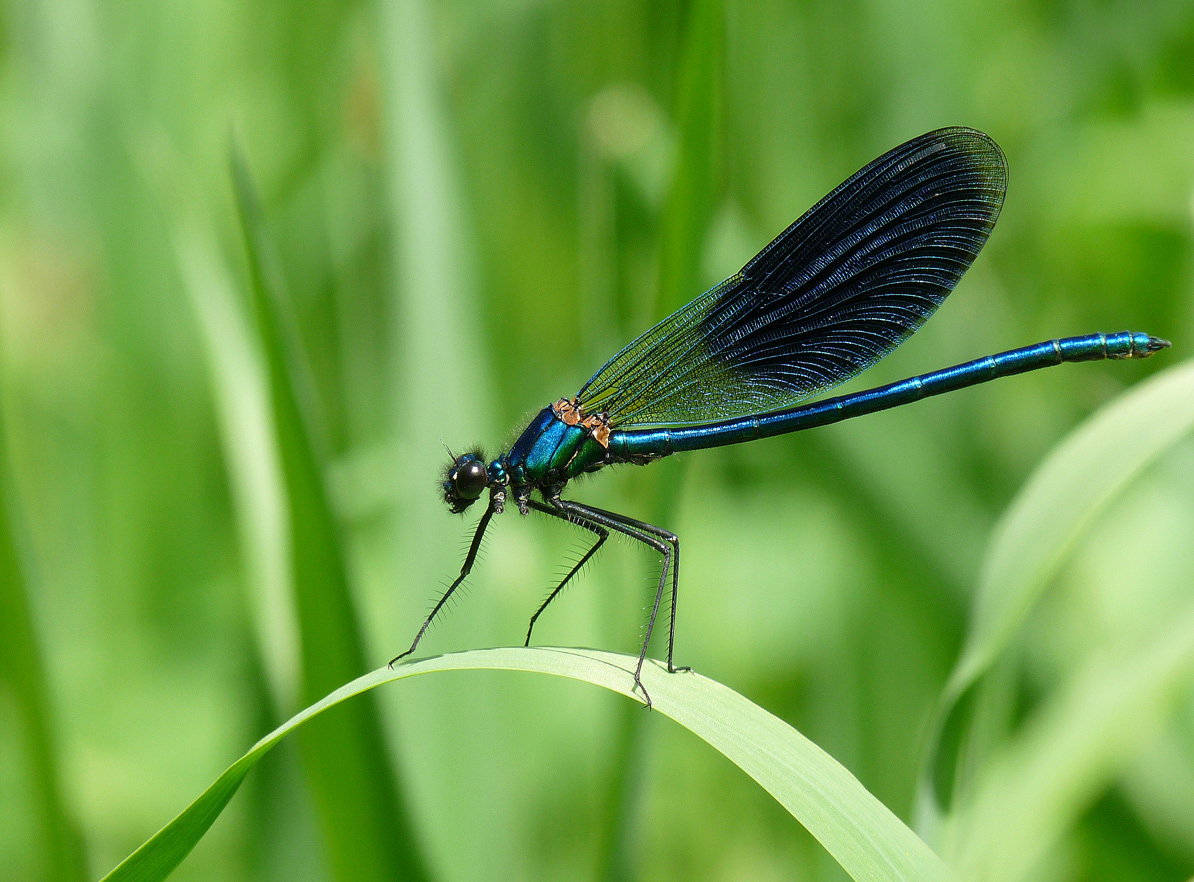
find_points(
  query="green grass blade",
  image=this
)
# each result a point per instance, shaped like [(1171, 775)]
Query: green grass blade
[(250, 449), (1077, 481), (863, 835), (366, 829), (23, 675), (438, 343)]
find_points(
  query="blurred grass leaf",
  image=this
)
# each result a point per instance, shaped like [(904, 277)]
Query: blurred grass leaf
[(250, 449), (367, 831), (22, 675), (437, 337), (697, 178), (1077, 481), (859, 831), (1031, 792)]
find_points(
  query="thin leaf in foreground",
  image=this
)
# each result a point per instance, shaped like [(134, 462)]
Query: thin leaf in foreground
[(24, 685), (863, 835)]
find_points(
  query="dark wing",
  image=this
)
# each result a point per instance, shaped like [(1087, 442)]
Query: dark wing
[(834, 293)]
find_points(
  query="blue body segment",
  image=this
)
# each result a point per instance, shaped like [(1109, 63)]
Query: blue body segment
[(550, 452), (625, 445)]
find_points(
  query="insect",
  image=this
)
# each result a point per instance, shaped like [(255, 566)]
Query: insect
[(835, 292)]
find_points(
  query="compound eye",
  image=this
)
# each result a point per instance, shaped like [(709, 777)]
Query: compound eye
[(470, 479)]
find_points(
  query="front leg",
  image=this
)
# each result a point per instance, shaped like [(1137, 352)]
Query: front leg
[(470, 558)]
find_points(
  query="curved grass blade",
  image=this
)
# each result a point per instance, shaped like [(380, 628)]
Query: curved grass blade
[(859, 831), (1078, 480)]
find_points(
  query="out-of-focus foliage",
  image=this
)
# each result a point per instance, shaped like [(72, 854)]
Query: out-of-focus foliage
[(467, 202)]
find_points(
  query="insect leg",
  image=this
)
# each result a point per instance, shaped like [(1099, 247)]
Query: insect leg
[(605, 519), (601, 533), (473, 548), (673, 540)]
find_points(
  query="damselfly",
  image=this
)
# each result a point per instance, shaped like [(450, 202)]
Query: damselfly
[(835, 292)]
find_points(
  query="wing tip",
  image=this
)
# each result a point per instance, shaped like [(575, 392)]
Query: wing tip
[(975, 143)]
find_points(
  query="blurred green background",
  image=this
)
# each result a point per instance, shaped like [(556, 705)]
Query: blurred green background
[(466, 207)]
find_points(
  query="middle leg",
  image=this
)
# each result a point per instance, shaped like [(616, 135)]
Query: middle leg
[(673, 540), (615, 523)]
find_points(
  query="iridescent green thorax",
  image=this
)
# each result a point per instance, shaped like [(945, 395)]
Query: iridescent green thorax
[(551, 452)]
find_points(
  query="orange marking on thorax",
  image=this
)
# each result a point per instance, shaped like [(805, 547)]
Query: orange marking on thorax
[(571, 414), (568, 411)]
